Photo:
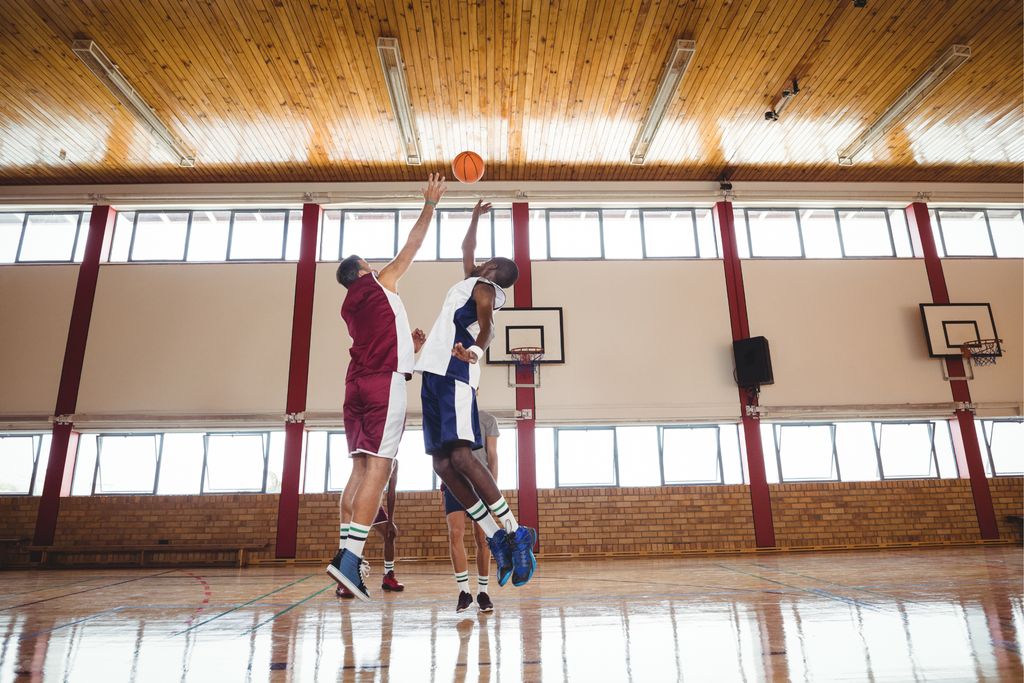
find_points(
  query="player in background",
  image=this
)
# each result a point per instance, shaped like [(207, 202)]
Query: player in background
[(451, 429), (382, 359)]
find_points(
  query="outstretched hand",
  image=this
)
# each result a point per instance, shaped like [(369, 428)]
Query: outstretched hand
[(391, 531), (481, 208), (463, 353), (418, 339), (434, 189)]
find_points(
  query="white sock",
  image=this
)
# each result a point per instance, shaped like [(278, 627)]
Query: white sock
[(389, 567), (504, 514), (482, 516), (481, 584), (357, 534), (344, 535), (462, 579)]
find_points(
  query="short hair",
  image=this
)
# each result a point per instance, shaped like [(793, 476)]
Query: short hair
[(507, 272), (348, 271)]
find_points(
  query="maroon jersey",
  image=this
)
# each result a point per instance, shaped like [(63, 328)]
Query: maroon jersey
[(379, 327)]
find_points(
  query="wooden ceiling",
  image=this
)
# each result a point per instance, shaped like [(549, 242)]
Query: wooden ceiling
[(290, 90)]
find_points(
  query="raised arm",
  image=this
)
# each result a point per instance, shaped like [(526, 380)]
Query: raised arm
[(389, 274), (469, 243), (483, 295)]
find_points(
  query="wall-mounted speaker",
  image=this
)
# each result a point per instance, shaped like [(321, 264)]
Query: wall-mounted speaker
[(753, 362)]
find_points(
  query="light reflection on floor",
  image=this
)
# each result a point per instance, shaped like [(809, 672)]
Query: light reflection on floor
[(916, 615)]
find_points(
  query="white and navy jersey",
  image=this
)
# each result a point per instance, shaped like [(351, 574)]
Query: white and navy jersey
[(457, 323), (379, 327)]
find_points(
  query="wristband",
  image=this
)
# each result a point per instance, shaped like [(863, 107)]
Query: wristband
[(476, 351), (427, 201)]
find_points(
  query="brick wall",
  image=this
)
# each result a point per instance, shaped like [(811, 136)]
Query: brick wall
[(18, 516), (1008, 499)]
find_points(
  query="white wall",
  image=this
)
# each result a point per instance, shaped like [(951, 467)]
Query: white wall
[(35, 312), (189, 338), (644, 341)]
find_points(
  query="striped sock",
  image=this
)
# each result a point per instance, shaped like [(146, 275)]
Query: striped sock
[(504, 514), (481, 584), (462, 579), (389, 567), (482, 516), (357, 534), (344, 535)]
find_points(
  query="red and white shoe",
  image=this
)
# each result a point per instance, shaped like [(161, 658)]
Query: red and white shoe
[(343, 592), (390, 583)]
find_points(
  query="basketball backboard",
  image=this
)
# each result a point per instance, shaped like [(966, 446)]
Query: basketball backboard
[(947, 326), (519, 327)]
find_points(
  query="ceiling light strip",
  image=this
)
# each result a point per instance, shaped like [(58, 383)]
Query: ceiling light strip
[(678, 62), (945, 65), (398, 91), (100, 65)]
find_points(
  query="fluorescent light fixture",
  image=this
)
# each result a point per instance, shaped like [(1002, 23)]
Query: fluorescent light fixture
[(108, 73), (398, 91), (678, 62), (945, 65), (787, 95)]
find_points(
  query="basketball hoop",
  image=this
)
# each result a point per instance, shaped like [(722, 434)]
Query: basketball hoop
[(982, 351), (527, 358)]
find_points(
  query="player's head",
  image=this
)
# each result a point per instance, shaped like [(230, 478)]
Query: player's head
[(351, 269), (499, 270)]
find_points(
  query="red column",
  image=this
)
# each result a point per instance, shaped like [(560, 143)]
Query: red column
[(964, 432), (298, 376), (64, 444), (525, 396), (760, 498)]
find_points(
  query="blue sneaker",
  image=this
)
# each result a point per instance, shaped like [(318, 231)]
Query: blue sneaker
[(502, 555), (348, 569), (524, 563)]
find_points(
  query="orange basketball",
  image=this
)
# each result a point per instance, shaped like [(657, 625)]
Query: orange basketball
[(468, 167)]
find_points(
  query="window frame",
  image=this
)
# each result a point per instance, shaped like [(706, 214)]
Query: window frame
[(799, 231), (719, 465), (206, 455), (600, 237), (876, 428), (188, 235), (159, 436), (692, 210), (777, 428), (24, 227), (987, 433), (231, 233), (37, 449), (888, 227), (437, 232), (615, 454)]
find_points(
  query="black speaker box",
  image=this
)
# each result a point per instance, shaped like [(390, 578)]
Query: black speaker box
[(753, 362)]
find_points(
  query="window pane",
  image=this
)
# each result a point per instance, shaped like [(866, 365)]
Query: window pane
[(706, 234), (294, 240), (1007, 447), (934, 216), (330, 238), (669, 234), (127, 464), (638, 456), (1007, 232), (275, 462), (416, 468), (503, 245), (943, 443), (806, 453), (122, 240), (234, 462), (855, 447), (538, 236), (181, 465), (44, 459), (964, 233), (160, 236), (906, 450), (821, 236), (575, 234), (371, 234), (586, 457), (10, 235), (900, 234), (732, 465), (622, 233), (454, 225), (49, 237), (316, 462), (774, 233), (85, 465), (208, 239), (508, 459), (17, 460), (407, 219), (771, 465), (339, 463), (742, 239), (257, 235), (865, 233), (544, 444), (691, 455)]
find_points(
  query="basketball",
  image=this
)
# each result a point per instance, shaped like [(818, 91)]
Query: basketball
[(468, 167)]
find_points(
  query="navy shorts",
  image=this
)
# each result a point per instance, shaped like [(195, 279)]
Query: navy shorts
[(451, 503), (449, 413)]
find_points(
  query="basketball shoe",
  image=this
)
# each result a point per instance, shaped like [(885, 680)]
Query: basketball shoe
[(390, 583), (465, 602), (523, 562), (502, 552), (348, 569), (484, 602), (343, 592)]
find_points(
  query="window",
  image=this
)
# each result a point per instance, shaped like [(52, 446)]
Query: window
[(585, 457), (371, 234), (258, 235), (574, 234), (964, 232), (42, 237), (181, 464), (10, 235), (1007, 228), (235, 462), (622, 234), (23, 461), (691, 456), (865, 232), (774, 233), (208, 236), (639, 456), (670, 234), (1003, 444), (126, 464), (159, 236), (905, 450), (806, 452), (821, 238)]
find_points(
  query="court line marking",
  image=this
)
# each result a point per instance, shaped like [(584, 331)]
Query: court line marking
[(62, 585), (287, 610), (178, 633), (57, 628), (837, 598), (833, 583), (140, 578)]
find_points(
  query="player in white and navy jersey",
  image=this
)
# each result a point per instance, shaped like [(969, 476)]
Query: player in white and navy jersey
[(382, 359), (451, 428)]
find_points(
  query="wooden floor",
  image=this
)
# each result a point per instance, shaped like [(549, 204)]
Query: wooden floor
[(888, 615)]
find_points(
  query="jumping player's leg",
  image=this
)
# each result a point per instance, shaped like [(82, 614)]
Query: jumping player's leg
[(483, 569), (456, 535), (348, 494)]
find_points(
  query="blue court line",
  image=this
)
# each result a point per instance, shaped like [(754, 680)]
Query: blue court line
[(287, 610), (57, 628), (838, 598), (242, 605), (812, 578), (87, 590)]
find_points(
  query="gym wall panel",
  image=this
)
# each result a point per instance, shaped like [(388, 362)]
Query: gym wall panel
[(999, 282), (189, 339), (422, 288), (644, 341), (35, 312), (843, 332)]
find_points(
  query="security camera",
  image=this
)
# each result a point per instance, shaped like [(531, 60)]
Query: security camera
[(860, 3), (771, 116)]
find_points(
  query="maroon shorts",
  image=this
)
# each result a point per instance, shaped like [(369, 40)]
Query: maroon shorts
[(375, 414), (382, 516)]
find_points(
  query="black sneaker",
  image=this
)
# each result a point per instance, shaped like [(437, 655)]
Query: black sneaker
[(465, 601), (484, 602)]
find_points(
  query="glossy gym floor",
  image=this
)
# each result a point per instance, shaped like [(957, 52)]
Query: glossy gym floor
[(950, 614)]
